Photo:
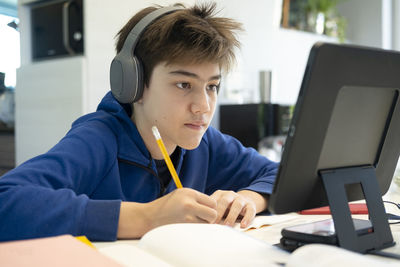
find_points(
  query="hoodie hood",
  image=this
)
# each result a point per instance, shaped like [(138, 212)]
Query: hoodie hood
[(116, 116)]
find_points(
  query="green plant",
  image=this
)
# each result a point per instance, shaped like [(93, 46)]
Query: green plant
[(334, 24), (324, 6)]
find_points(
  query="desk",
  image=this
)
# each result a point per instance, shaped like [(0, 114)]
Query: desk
[(272, 234)]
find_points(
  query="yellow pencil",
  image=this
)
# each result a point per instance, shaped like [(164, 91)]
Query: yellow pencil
[(167, 159)]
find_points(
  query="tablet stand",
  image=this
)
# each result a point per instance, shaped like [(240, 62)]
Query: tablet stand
[(334, 181)]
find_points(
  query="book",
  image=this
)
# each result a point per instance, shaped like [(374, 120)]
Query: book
[(217, 245), (355, 208), (60, 251), (265, 220), (189, 244)]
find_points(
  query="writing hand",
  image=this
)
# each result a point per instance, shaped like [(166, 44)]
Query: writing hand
[(183, 205)]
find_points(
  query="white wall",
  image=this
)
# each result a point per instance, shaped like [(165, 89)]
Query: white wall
[(396, 24), (48, 99), (364, 19)]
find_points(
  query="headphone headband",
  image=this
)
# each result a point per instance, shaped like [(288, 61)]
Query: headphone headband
[(126, 70), (141, 26)]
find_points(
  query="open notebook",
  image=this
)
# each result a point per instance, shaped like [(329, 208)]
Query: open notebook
[(216, 245), (196, 245)]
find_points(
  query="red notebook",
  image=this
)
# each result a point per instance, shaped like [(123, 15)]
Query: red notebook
[(355, 208)]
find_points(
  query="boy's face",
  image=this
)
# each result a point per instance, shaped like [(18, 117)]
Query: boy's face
[(180, 101)]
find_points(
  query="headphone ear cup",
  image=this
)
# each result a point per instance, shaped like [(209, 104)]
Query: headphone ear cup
[(126, 78), (116, 78), (139, 73)]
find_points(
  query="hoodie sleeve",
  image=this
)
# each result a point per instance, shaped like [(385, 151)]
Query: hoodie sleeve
[(49, 194), (235, 167)]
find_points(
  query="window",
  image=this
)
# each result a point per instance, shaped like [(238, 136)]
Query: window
[(9, 49)]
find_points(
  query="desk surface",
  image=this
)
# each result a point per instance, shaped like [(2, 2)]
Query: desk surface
[(272, 234)]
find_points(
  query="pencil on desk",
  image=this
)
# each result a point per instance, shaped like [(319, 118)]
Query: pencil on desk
[(167, 159)]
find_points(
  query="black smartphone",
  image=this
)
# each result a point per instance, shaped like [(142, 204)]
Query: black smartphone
[(317, 232)]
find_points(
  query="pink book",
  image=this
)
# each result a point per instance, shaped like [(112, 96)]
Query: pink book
[(61, 251)]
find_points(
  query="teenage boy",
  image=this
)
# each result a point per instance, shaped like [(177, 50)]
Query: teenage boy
[(106, 178)]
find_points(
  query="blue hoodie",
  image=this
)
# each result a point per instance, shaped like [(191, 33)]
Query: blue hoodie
[(78, 185)]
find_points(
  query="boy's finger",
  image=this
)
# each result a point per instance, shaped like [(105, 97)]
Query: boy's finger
[(223, 206), (234, 212), (248, 217), (206, 213), (206, 200)]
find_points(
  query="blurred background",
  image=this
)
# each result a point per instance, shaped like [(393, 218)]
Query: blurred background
[(55, 57)]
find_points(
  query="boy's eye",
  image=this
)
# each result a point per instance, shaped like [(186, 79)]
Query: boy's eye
[(184, 85), (213, 87)]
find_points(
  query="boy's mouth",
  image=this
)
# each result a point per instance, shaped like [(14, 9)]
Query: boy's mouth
[(196, 125)]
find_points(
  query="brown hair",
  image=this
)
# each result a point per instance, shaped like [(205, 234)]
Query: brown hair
[(190, 35)]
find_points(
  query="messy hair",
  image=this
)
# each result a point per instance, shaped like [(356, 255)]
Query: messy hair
[(189, 35)]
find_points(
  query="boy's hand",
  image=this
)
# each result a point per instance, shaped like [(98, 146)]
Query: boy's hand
[(232, 206), (179, 206), (183, 205)]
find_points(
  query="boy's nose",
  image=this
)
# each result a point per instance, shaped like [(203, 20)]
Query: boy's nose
[(201, 102)]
